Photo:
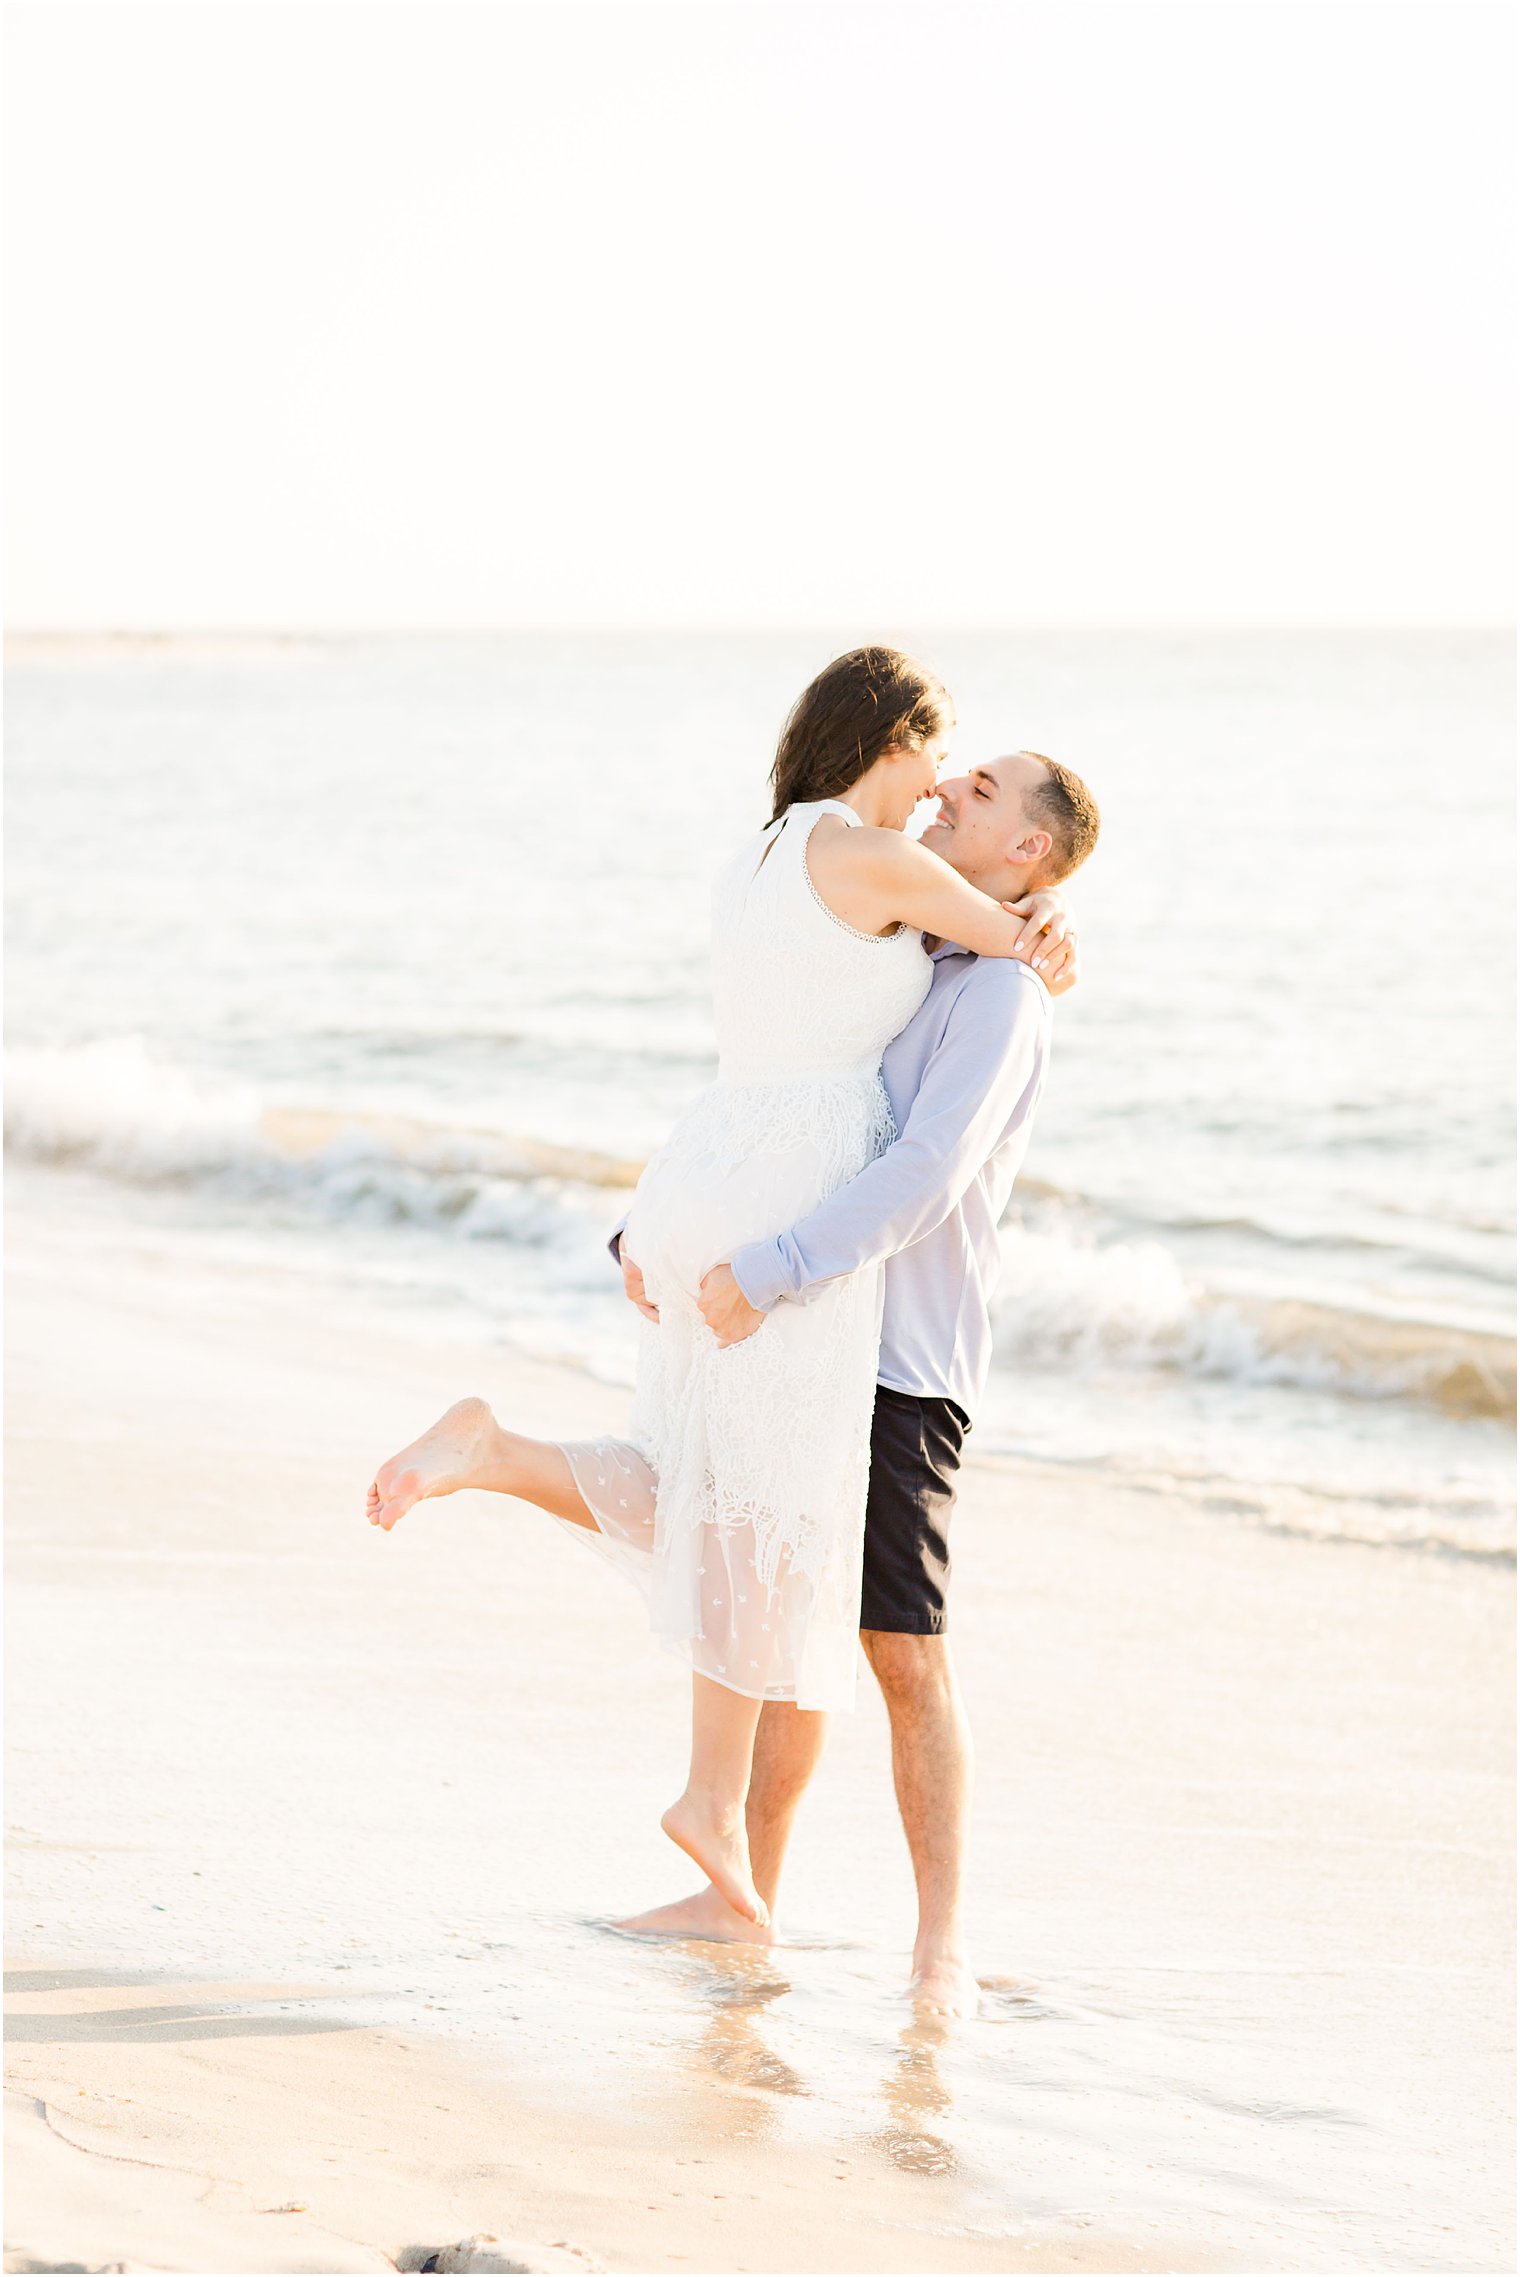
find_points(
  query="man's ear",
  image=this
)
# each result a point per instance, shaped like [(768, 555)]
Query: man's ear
[(1030, 849)]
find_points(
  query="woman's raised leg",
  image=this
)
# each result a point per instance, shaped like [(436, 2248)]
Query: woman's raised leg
[(467, 1447), (708, 1821)]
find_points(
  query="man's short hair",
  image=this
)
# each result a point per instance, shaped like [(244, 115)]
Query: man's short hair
[(1063, 805)]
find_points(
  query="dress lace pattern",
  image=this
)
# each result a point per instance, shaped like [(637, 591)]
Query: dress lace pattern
[(737, 1502)]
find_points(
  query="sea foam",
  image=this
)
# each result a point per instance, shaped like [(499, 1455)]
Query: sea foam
[(124, 1112)]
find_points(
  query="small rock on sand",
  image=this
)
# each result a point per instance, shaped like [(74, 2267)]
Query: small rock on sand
[(486, 2251)]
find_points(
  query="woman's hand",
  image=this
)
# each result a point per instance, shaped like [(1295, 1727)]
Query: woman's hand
[(1061, 973), (1048, 942), (726, 1309)]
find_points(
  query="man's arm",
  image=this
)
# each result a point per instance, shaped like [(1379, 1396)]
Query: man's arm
[(979, 1087)]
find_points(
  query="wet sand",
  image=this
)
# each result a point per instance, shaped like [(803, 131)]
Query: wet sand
[(215, 2133), (315, 1836)]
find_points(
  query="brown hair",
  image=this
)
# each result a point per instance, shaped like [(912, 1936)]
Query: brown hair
[(1065, 807), (866, 702)]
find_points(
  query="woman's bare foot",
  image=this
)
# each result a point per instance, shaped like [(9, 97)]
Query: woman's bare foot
[(708, 1915), (714, 1837), (442, 1461)]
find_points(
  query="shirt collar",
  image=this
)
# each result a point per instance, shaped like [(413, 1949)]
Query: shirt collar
[(954, 949)]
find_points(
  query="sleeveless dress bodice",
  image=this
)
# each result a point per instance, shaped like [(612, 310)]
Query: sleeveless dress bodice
[(803, 1007), (798, 994)]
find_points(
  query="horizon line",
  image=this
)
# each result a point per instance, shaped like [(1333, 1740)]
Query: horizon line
[(488, 630)]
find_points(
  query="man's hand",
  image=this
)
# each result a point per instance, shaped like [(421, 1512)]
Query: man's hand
[(726, 1309), (633, 1285), (1048, 942)]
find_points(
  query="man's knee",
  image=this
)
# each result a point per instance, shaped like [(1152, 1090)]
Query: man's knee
[(909, 1668)]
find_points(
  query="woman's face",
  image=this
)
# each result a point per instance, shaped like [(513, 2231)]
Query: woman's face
[(911, 776)]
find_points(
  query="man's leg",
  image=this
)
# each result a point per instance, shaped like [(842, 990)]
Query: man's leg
[(788, 1745), (915, 1458), (931, 1768), (788, 1748)]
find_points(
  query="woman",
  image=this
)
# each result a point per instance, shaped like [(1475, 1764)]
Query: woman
[(738, 1503)]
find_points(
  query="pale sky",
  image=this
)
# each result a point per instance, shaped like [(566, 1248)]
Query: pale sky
[(332, 313)]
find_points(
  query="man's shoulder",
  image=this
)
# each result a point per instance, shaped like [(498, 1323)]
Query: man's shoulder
[(999, 985)]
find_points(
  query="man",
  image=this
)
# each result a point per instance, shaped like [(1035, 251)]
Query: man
[(964, 1078)]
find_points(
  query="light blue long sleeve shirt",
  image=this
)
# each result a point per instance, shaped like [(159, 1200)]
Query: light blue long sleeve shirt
[(964, 1078)]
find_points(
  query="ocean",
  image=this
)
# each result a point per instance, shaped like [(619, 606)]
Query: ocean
[(386, 958)]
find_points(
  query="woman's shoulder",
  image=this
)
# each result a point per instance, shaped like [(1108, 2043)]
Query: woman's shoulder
[(864, 849), (828, 826)]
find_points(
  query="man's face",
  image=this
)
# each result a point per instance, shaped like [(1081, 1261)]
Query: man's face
[(983, 828)]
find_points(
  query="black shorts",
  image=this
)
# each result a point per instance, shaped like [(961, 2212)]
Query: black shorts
[(915, 1454)]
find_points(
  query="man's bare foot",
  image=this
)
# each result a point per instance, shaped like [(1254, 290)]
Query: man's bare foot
[(715, 1839), (943, 1985), (708, 1914), (442, 1461)]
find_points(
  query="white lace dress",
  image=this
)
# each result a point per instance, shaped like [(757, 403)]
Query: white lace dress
[(737, 1504)]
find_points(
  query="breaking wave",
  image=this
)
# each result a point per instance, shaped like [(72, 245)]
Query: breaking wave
[(1087, 1303), (113, 1108)]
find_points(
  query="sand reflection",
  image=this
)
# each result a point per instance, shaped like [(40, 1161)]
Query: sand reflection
[(732, 1986), (918, 2102)]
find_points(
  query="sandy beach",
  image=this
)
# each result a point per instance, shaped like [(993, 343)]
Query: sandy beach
[(315, 1836)]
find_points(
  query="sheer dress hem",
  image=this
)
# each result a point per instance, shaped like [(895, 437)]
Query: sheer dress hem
[(616, 1481)]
